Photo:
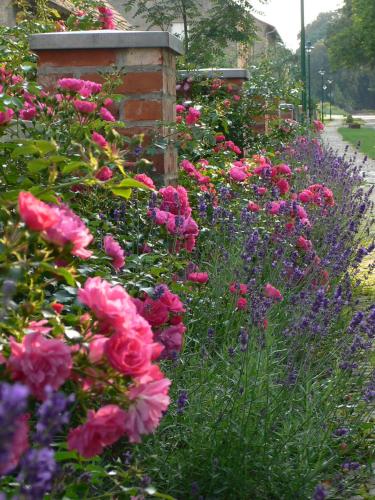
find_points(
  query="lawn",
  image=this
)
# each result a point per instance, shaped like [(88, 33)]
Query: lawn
[(366, 137)]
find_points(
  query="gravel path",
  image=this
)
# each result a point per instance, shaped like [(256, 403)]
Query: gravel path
[(334, 139)]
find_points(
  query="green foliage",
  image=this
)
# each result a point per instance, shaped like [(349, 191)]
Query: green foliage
[(207, 32), (350, 37)]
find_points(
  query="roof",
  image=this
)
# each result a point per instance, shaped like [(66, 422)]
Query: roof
[(270, 29), (68, 7)]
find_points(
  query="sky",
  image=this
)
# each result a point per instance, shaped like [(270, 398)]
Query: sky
[(285, 15)]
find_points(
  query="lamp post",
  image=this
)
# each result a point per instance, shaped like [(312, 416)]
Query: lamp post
[(309, 48), (330, 82), (303, 56), (322, 73)]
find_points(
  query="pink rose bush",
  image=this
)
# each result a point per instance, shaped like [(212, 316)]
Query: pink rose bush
[(39, 362), (57, 224)]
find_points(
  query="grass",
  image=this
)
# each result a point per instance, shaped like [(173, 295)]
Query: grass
[(364, 136)]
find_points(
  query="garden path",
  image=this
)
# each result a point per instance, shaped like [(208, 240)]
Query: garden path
[(332, 137)]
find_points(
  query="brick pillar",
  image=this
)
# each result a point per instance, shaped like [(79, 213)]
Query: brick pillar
[(148, 59), (286, 112), (231, 76)]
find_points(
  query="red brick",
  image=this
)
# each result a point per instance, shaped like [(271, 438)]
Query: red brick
[(141, 83), (77, 57), (143, 110)]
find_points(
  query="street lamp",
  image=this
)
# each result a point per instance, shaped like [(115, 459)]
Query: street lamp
[(330, 82), (309, 48), (322, 73)]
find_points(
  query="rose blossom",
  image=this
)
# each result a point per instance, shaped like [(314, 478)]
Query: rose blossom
[(6, 116), (99, 140), (38, 362), (106, 115), (238, 287), (103, 428), (238, 174), (113, 249), (304, 244), (149, 401), (104, 174), (198, 277), (193, 116), (110, 304), (146, 180), (272, 293), (241, 303), (131, 355), (69, 228), (172, 339), (36, 214), (253, 207), (85, 107)]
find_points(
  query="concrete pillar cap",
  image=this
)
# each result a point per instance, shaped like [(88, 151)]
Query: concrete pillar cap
[(239, 73), (106, 39)]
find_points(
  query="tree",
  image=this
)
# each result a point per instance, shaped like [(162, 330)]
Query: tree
[(209, 27), (350, 40)]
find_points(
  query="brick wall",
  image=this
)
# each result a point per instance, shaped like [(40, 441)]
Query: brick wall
[(148, 85)]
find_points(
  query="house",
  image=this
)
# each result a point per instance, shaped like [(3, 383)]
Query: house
[(8, 12)]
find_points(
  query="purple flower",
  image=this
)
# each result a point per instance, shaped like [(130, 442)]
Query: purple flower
[(37, 471), (13, 404), (52, 415), (320, 493), (182, 402)]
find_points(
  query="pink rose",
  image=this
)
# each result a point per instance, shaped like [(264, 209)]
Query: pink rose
[(155, 312), (238, 288), (39, 327), (283, 186), (274, 208), (112, 305), (172, 301), (172, 339), (113, 249), (261, 191), (193, 116), (304, 244), (238, 174), (106, 115), (175, 200), (103, 428), (99, 140), (198, 277), (97, 348), (104, 174), (71, 84), (253, 207), (146, 180), (69, 228), (241, 303), (272, 293), (37, 215), (148, 403), (131, 355), (220, 138), (84, 107), (28, 112), (6, 116), (38, 362), (180, 108), (306, 196)]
